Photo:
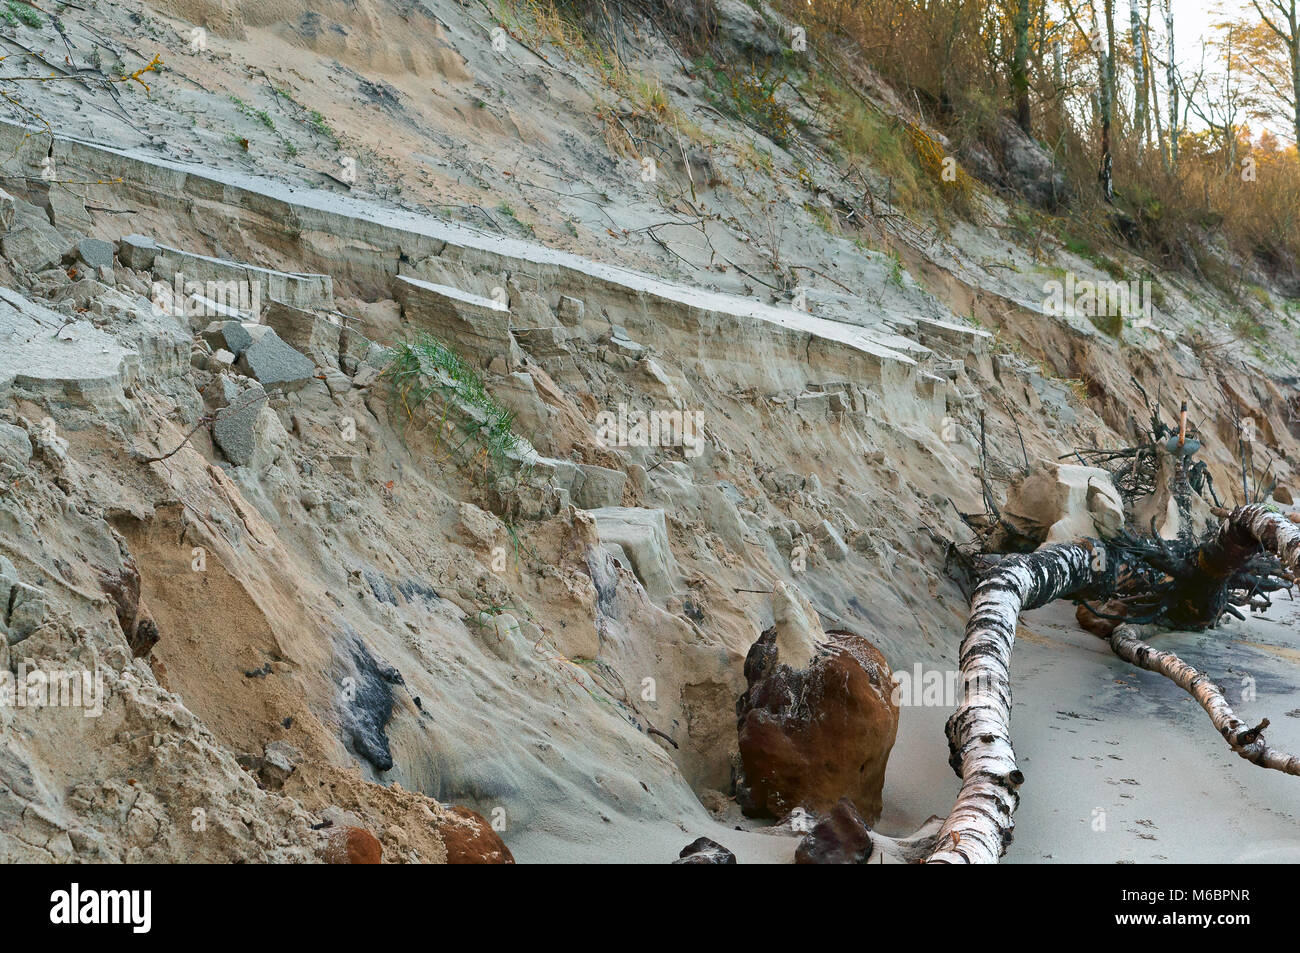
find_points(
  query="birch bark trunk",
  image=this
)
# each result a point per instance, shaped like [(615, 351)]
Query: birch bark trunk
[(979, 827), (1125, 641)]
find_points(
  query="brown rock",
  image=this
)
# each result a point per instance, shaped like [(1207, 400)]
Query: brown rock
[(470, 839), (809, 737), (1283, 495), (842, 837), (351, 845)]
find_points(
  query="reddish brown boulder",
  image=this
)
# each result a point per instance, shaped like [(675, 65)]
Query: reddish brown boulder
[(809, 737), (470, 839), (352, 845), (841, 837)]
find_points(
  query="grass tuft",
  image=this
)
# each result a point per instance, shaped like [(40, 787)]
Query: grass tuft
[(475, 428)]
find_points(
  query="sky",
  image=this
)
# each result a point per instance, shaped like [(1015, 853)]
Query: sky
[(1194, 19)]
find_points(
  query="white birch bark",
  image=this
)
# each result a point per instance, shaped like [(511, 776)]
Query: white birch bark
[(1246, 741), (979, 827)]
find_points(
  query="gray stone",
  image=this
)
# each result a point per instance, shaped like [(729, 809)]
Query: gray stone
[(24, 607), (355, 349), (1029, 167), (275, 364), (542, 342), (33, 248), (562, 474), (68, 208), (571, 310), (617, 552), (15, 445), (7, 209), (307, 331), (337, 382), (743, 27), (833, 544), (82, 365), (599, 487), (626, 348), (248, 431), (722, 516), (49, 281), (261, 284), (95, 252), (782, 539), (702, 850), (813, 406), (137, 251), (230, 335), (279, 760), (476, 327)]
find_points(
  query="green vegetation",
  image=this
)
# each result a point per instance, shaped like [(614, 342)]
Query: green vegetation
[(1111, 325), (15, 12), (471, 424), (750, 96), (824, 219), (861, 132), (261, 115), (319, 123), (895, 268), (1247, 327), (506, 209)]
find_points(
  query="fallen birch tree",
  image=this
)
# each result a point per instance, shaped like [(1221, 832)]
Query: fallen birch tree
[(1190, 586)]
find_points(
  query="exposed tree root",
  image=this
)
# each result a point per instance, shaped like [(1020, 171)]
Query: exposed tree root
[(1247, 742), (1192, 584)]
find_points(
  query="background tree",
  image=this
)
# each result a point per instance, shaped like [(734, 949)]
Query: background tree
[(1020, 66), (1273, 56)]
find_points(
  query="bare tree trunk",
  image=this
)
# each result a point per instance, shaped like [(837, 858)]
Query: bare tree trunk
[(1285, 12), (1295, 74), (1139, 71), (1020, 67), (1293, 49), (1105, 92), (1171, 83), (1153, 111), (1058, 80)]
